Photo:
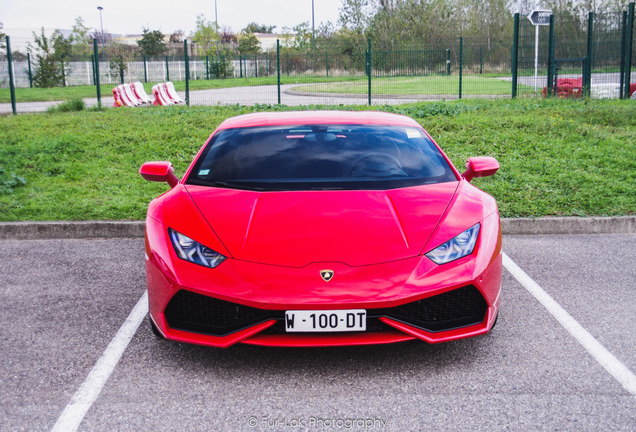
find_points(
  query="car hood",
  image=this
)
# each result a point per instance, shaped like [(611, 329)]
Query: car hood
[(296, 229)]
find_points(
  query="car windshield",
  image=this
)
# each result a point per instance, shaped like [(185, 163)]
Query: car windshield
[(320, 157)]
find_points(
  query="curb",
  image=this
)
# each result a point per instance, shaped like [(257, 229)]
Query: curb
[(71, 230), (569, 225), (135, 229)]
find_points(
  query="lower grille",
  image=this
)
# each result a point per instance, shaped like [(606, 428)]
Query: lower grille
[(197, 313), (458, 308)]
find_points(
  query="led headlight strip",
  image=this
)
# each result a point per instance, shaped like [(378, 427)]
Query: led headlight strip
[(190, 250), (456, 248)]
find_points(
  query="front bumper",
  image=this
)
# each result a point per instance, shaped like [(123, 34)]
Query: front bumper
[(192, 304)]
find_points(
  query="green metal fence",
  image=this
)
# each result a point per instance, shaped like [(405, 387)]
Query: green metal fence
[(599, 53), (592, 54)]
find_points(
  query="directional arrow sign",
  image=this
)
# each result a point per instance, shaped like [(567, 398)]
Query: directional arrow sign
[(540, 17)]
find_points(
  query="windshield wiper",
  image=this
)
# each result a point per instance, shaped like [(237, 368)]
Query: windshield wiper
[(236, 185)]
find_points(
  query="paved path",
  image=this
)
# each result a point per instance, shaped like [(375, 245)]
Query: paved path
[(250, 95), (293, 95)]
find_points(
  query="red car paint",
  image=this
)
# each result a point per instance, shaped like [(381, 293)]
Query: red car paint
[(277, 243)]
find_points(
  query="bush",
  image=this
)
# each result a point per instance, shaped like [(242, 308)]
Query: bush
[(68, 106), (221, 69)]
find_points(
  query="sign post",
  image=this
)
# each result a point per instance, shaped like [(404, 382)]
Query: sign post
[(538, 17)]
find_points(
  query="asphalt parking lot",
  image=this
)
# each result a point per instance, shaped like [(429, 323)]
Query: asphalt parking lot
[(63, 302)]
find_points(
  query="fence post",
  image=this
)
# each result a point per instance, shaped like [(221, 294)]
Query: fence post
[(256, 66), (167, 70), (96, 69), (481, 60), (10, 70), (145, 69), (121, 69), (278, 67), (551, 63), (623, 42), (30, 73), (515, 55), (461, 64), (187, 71), (327, 62), (63, 72), (369, 68), (629, 34), (448, 62), (266, 64), (589, 59), (287, 52)]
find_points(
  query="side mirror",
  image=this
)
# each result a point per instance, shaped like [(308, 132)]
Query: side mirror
[(483, 166), (159, 172)]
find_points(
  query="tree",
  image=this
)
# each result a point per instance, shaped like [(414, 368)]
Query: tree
[(49, 53), (248, 44), (228, 37), (205, 36), (254, 27), (152, 43), (286, 38), (222, 67), (118, 55), (80, 38), (103, 38), (302, 41), (3, 37), (177, 36), (355, 15)]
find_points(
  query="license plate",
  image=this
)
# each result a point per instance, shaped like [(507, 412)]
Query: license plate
[(326, 320)]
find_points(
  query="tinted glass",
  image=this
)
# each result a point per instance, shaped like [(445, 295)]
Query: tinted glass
[(320, 157)]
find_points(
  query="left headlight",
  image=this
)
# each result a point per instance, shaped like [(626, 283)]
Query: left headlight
[(457, 247), (190, 250)]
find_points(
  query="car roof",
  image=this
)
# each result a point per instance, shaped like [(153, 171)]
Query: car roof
[(288, 118)]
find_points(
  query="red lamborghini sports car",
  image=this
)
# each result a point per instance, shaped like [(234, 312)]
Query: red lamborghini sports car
[(322, 229)]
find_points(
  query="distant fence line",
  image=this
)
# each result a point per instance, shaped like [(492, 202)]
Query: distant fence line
[(81, 72), (460, 67)]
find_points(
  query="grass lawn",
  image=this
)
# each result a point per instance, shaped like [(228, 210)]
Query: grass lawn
[(558, 157), (431, 85)]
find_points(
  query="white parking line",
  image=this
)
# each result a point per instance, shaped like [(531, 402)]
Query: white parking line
[(594, 347), (88, 392)]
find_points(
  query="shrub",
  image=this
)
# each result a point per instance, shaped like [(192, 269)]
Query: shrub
[(68, 106)]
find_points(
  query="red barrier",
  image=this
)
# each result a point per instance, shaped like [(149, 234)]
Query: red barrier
[(567, 88)]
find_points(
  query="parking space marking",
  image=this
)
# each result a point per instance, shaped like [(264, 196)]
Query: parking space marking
[(90, 389), (605, 358)]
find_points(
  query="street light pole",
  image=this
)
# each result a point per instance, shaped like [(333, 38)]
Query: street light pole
[(101, 26), (313, 28)]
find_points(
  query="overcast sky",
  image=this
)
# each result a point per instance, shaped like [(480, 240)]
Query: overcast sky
[(130, 16)]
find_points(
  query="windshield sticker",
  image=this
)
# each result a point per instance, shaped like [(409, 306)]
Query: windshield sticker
[(204, 172), (413, 133)]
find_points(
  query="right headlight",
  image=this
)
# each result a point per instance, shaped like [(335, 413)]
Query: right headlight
[(190, 250), (456, 248)]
